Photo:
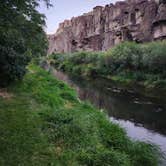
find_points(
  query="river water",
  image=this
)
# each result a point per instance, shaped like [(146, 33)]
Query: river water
[(143, 118)]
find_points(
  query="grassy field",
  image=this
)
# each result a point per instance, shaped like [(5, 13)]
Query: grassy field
[(43, 123)]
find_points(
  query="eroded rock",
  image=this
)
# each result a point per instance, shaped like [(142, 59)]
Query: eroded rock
[(104, 27)]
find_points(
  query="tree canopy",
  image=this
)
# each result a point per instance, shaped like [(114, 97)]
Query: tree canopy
[(21, 37)]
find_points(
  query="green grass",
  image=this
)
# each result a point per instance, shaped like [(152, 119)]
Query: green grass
[(44, 123)]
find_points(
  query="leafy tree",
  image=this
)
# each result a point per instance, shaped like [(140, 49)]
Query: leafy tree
[(21, 37)]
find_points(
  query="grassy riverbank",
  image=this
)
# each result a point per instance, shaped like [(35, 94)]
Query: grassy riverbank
[(129, 64), (44, 123)]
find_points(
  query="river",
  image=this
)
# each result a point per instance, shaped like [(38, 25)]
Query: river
[(143, 118)]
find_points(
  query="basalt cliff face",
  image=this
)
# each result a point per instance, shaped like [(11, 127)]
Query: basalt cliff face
[(104, 27)]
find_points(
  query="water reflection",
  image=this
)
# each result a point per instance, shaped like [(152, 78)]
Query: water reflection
[(143, 118), (122, 105)]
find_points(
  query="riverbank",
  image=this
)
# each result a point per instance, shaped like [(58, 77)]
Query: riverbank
[(44, 123), (129, 66)]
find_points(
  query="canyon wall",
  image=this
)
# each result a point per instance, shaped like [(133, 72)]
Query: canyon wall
[(104, 27)]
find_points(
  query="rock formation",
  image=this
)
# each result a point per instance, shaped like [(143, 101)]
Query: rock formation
[(104, 27)]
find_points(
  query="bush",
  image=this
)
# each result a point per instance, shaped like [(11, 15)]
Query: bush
[(154, 57), (125, 56), (137, 62), (22, 37), (13, 58)]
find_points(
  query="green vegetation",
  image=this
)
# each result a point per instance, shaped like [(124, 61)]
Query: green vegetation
[(128, 63), (44, 123), (42, 120), (22, 37)]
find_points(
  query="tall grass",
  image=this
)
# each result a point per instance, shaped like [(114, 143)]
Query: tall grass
[(44, 123)]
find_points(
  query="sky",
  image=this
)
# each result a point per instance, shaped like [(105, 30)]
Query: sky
[(66, 9)]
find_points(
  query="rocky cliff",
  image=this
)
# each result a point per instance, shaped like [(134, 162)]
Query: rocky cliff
[(104, 27)]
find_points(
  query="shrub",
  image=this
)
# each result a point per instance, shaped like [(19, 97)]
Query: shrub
[(13, 58), (137, 62), (154, 57), (124, 56), (22, 37)]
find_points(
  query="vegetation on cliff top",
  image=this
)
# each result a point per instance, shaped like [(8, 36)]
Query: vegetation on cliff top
[(44, 123), (128, 62)]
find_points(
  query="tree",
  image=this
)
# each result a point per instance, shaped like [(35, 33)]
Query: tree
[(21, 37)]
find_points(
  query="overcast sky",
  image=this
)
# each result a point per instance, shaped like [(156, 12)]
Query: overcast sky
[(66, 9)]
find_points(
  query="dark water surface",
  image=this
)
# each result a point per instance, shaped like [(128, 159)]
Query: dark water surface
[(143, 118)]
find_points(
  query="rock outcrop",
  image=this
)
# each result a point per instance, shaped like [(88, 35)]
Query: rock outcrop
[(104, 27)]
